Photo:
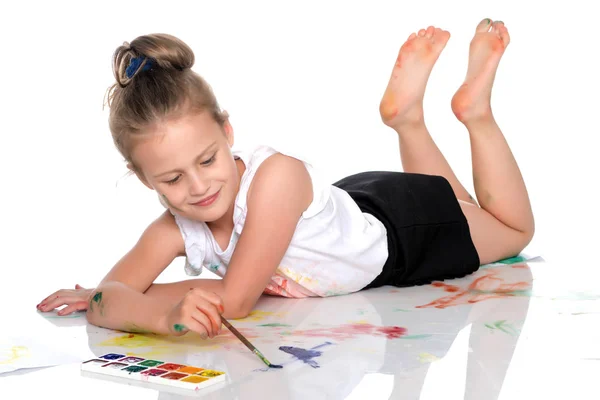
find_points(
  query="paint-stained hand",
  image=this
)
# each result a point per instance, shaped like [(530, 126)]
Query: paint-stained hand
[(75, 300), (199, 311)]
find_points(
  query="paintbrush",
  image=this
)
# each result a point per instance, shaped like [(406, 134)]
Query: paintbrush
[(248, 344)]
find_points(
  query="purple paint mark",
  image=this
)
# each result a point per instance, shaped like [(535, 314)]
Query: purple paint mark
[(305, 355)]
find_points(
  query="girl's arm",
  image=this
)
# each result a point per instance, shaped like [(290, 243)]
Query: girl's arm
[(119, 301), (280, 192)]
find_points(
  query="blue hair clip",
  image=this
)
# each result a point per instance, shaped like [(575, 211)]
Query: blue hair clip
[(134, 65)]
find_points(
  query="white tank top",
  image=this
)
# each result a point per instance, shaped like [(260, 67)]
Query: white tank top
[(336, 248)]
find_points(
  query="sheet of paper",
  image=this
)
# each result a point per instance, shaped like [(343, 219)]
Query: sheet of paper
[(26, 352)]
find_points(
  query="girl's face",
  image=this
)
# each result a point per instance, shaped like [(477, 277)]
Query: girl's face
[(188, 161)]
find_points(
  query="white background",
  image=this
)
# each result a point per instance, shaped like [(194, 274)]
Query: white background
[(303, 76)]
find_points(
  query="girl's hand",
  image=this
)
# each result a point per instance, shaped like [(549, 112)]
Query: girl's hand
[(199, 311), (75, 300)]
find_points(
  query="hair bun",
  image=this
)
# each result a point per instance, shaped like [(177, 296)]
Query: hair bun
[(157, 50)]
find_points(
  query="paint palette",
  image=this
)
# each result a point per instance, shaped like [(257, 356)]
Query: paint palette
[(153, 371)]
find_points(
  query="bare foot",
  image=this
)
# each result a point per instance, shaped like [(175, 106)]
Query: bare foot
[(402, 101), (472, 100)]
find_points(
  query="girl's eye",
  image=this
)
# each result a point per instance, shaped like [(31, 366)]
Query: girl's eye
[(209, 161), (174, 180)]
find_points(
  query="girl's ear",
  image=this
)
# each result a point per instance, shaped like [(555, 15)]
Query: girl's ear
[(139, 175), (228, 130)]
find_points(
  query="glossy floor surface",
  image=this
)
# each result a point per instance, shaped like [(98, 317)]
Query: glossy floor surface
[(504, 332)]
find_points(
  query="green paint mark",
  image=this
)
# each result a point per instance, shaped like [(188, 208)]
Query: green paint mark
[(504, 327), (512, 260), (275, 324), (56, 316), (179, 327), (151, 363), (134, 368), (97, 298), (285, 333), (423, 336), (400, 309), (214, 267)]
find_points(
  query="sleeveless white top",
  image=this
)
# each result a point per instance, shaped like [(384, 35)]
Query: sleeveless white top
[(336, 248)]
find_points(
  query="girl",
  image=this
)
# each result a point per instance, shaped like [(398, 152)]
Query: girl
[(266, 223)]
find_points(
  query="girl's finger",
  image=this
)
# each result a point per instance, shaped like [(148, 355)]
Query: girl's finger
[(52, 296), (192, 325), (77, 286), (79, 306), (214, 299), (60, 301), (211, 312), (200, 317)]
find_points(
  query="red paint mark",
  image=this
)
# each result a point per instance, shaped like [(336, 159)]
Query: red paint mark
[(488, 286), (131, 335), (350, 331), (392, 332), (520, 266), (447, 288)]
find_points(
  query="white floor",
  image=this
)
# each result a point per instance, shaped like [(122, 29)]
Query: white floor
[(512, 332), (306, 77)]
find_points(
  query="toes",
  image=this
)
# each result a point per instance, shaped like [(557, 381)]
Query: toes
[(422, 32), (484, 25), (499, 29), (412, 36), (496, 26), (440, 36), (429, 32)]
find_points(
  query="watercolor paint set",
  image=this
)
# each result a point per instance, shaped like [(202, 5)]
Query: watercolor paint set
[(153, 371)]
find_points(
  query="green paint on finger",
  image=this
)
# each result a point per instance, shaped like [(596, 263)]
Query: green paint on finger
[(179, 327)]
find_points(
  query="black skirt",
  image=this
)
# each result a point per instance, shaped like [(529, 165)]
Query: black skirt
[(428, 234)]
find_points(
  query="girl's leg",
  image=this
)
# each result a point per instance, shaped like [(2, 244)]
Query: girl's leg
[(503, 225), (402, 107), (497, 179)]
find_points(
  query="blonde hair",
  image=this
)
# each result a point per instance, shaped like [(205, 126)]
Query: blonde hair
[(154, 82)]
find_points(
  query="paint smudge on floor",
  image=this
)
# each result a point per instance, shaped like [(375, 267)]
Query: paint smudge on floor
[(427, 358), (350, 331), (400, 310), (305, 355), (504, 327), (414, 337), (275, 325), (258, 315), (488, 286), (150, 345), (14, 353)]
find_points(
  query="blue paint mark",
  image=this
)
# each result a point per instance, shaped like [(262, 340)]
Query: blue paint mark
[(305, 355)]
